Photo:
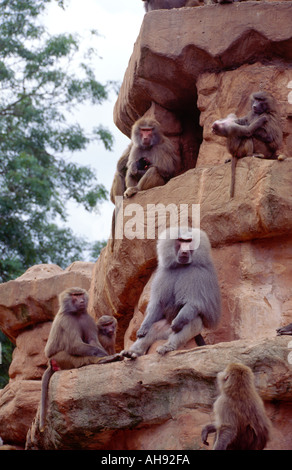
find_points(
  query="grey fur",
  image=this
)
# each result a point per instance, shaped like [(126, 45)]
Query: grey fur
[(186, 297)]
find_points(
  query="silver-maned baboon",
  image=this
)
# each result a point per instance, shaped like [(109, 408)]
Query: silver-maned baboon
[(185, 295)]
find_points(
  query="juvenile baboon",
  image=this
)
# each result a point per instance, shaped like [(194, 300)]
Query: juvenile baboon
[(107, 332), (118, 188), (73, 340), (119, 184), (168, 4), (258, 133), (241, 422), (185, 295), (152, 160)]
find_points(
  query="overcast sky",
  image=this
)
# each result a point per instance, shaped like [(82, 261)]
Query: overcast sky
[(118, 23)]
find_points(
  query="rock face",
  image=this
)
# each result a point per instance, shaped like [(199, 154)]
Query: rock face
[(188, 73), (176, 49), (156, 402), (255, 283), (27, 308), (33, 297)]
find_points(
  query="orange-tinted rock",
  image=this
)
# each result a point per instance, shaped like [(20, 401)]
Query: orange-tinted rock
[(29, 360), (254, 276), (33, 297), (18, 404), (102, 406), (229, 92), (165, 71)]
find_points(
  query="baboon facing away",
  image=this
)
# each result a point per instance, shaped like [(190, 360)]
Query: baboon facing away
[(241, 422), (257, 134), (185, 295), (73, 341)]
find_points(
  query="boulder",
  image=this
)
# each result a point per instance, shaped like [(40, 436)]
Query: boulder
[(29, 360), (33, 297), (18, 404), (157, 402), (205, 39)]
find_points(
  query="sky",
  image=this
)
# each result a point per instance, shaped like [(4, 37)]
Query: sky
[(118, 23)]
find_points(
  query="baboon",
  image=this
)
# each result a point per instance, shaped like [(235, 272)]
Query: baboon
[(119, 184), (257, 134), (73, 340), (107, 332), (241, 422), (239, 136), (185, 295), (152, 160), (168, 4), (118, 188)]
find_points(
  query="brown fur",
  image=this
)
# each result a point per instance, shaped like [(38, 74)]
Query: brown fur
[(119, 184), (162, 163), (267, 139), (72, 343), (258, 133), (241, 420), (107, 332)]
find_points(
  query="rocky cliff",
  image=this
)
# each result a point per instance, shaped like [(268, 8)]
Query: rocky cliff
[(189, 67)]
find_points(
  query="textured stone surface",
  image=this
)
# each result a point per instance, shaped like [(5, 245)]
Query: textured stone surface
[(18, 404), (175, 47), (228, 92), (95, 407), (33, 297), (28, 361)]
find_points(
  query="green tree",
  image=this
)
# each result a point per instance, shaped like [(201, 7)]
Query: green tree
[(38, 90), (6, 349), (40, 85)]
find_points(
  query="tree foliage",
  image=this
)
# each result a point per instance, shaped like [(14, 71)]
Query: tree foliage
[(40, 85), (39, 88)]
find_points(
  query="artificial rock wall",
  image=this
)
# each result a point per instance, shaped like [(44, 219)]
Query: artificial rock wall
[(189, 67)]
